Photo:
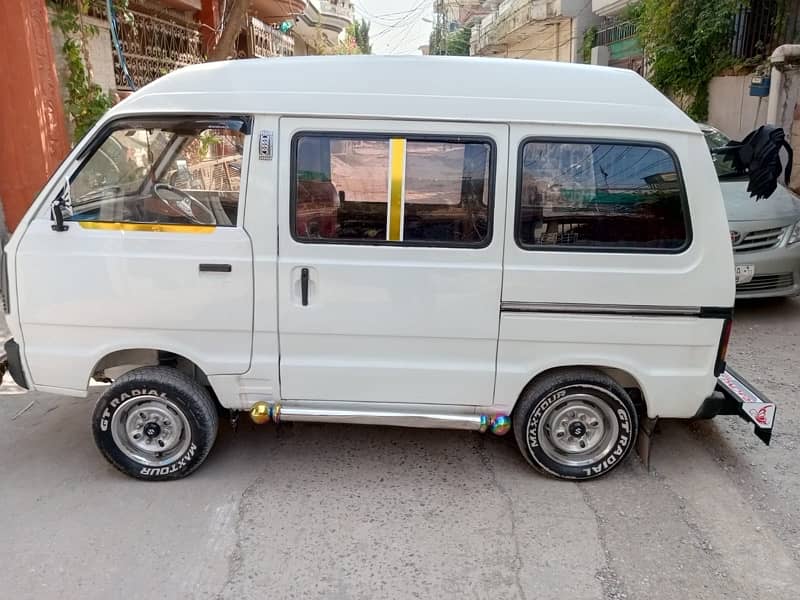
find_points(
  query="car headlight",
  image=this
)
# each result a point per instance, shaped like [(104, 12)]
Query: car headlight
[(794, 236)]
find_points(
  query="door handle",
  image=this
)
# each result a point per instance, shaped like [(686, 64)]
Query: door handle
[(304, 286), (215, 268)]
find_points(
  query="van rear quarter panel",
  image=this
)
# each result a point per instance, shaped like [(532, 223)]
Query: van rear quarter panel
[(671, 358)]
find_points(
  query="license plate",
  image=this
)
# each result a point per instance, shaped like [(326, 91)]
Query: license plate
[(744, 273)]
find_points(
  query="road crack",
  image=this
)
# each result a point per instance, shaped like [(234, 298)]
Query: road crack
[(489, 467), (235, 558), (701, 540), (610, 581)]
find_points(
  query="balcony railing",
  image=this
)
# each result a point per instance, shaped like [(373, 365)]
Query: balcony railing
[(326, 6), (616, 33), (755, 32), (153, 45), (264, 40)]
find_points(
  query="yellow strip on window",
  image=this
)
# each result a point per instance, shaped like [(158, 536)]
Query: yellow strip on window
[(397, 160), (153, 227)]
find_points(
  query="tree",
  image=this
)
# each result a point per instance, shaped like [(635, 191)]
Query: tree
[(458, 42), (686, 43), (231, 28), (359, 31), (455, 43)]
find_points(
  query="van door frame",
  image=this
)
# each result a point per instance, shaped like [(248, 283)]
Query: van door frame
[(357, 357)]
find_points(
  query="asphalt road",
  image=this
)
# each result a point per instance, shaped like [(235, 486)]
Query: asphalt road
[(325, 511)]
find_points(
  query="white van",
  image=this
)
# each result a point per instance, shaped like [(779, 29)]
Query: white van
[(452, 243)]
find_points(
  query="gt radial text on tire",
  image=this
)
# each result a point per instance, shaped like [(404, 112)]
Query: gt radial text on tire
[(575, 424), (155, 423)]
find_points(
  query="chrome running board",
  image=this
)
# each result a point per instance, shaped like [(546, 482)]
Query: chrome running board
[(380, 417), (359, 414)]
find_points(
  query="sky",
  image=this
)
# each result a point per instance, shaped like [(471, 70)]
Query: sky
[(396, 26)]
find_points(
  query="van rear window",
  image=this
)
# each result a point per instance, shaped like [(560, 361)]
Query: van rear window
[(612, 196), (391, 189)]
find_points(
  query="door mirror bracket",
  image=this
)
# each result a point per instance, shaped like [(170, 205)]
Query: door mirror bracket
[(57, 209), (58, 216)]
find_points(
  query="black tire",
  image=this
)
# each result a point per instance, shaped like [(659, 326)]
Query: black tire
[(164, 408), (591, 404)]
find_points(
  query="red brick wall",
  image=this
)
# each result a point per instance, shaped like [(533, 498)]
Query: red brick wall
[(33, 135)]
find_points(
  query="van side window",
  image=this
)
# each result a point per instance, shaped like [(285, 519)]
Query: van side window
[(600, 196), (385, 189), (161, 172)]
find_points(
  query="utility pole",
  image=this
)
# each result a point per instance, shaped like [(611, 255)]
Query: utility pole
[(441, 31), (445, 27)]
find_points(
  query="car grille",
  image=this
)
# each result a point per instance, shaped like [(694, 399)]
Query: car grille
[(767, 283), (760, 240)]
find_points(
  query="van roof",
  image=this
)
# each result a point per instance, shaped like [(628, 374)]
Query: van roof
[(421, 87)]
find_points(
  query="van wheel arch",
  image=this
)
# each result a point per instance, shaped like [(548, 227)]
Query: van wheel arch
[(115, 364), (621, 376)]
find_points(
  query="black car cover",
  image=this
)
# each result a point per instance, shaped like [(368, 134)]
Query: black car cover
[(758, 156)]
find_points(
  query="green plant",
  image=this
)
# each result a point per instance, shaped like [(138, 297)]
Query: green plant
[(122, 8), (589, 37), (454, 43), (458, 42), (631, 12), (359, 31), (321, 45), (208, 139), (86, 101), (686, 43)]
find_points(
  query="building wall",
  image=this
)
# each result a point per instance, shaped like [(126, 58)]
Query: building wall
[(583, 19), (609, 7), (789, 119), (734, 112), (551, 41), (32, 116), (301, 48), (556, 39), (731, 108)]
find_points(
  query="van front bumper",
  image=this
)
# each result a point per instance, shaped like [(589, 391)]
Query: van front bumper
[(735, 396), (14, 363)]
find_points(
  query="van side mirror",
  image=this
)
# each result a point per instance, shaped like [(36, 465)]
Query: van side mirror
[(57, 208)]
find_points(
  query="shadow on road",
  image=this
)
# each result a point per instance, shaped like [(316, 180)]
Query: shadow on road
[(768, 309)]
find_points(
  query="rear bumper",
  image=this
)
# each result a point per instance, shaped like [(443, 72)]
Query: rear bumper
[(735, 396), (14, 362)]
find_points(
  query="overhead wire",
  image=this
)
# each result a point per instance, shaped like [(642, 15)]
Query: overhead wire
[(393, 29), (401, 26), (398, 17), (403, 37)]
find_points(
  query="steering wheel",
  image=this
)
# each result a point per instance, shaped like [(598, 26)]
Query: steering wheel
[(185, 204)]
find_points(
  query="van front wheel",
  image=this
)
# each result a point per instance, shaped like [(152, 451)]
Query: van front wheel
[(155, 423), (575, 424)]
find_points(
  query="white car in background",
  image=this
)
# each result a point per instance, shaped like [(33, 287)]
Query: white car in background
[(765, 234)]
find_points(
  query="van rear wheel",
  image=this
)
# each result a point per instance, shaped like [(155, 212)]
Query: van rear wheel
[(575, 424), (155, 423)]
